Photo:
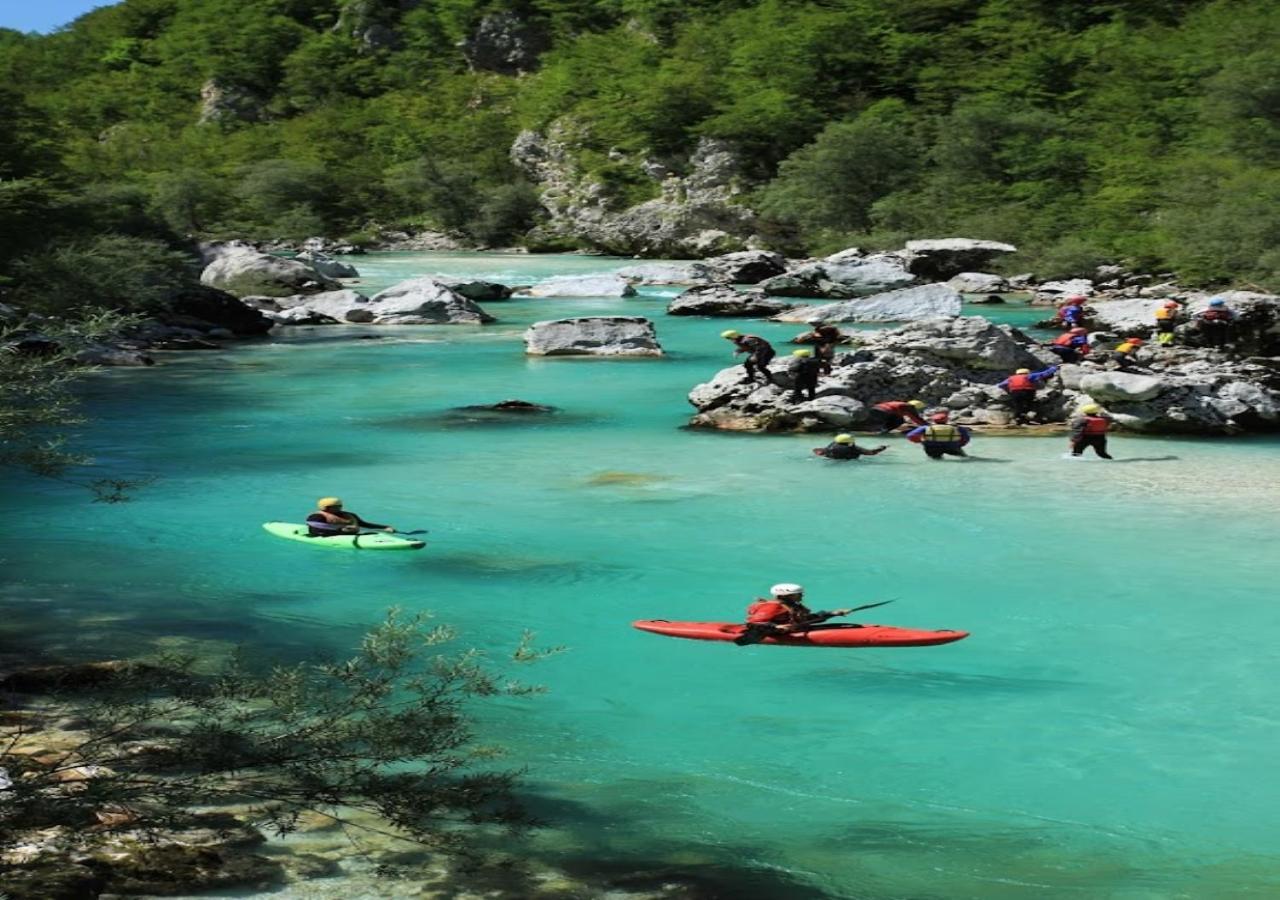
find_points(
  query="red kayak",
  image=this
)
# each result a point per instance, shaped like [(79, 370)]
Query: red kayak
[(844, 635)]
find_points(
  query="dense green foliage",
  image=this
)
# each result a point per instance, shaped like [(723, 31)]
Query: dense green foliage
[(1145, 131)]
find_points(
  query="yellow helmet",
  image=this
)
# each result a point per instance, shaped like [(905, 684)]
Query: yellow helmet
[(802, 352), (326, 502), (730, 334), (918, 404), (844, 439), (1023, 372), (1090, 408)]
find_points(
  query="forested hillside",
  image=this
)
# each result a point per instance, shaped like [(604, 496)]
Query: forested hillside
[(1145, 132)]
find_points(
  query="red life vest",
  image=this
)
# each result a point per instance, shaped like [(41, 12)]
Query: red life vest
[(1021, 383), (1096, 424), (1064, 340), (897, 407), (1216, 314), (768, 611)]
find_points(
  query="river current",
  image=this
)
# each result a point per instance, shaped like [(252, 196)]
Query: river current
[(1109, 729)]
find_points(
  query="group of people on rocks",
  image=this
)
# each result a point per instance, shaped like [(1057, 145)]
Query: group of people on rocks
[(1214, 326), (937, 435)]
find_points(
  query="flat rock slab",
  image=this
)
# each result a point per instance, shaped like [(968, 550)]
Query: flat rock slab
[(930, 301), (593, 336), (583, 286)]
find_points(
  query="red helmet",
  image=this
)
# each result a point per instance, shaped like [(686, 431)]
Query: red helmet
[(1076, 300), (1134, 340), (940, 417), (1170, 304), (1078, 330)]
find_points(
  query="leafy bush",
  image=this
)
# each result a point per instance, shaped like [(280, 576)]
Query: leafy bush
[(109, 272)]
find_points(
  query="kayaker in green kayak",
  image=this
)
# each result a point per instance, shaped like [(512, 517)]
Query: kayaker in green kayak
[(330, 519)]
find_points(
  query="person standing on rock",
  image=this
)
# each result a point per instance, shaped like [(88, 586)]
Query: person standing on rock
[(824, 339), (941, 438), (1071, 313), (1167, 321), (1071, 346), (1089, 429), (892, 414), (804, 374), (1216, 323), (843, 447), (759, 353), (1127, 352), (1022, 386)]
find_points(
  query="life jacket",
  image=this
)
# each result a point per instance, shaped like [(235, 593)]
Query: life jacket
[(941, 434), (1096, 424), (1021, 383), (768, 611), (1216, 314), (1126, 347), (897, 407), (336, 518), (1065, 340), (1165, 313)]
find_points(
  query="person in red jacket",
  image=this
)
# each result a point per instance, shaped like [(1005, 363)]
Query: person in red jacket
[(1071, 346), (890, 415), (1021, 386), (784, 612), (1089, 429)]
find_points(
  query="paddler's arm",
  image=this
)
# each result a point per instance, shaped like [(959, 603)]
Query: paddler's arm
[(376, 527)]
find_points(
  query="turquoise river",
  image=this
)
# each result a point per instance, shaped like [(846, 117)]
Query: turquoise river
[(1110, 729)]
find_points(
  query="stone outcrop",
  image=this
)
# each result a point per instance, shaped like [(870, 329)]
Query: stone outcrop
[(203, 308), (938, 260), (744, 266), (593, 336), (697, 210), (723, 300), (930, 301), (243, 272), (418, 301), (505, 43), (978, 283), (225, 104), (1056, 291), (479, 291), (326, 265), (609, 285), (1256, 329), (956, 365), (844, 275)]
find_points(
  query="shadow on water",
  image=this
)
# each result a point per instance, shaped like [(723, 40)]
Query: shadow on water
[(487, 566), (883, 681)]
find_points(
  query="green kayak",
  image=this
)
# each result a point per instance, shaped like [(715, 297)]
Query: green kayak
[(377, 540)]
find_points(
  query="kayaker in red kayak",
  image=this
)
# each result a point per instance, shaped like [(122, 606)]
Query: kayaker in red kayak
[(330, 519), (785, 610)]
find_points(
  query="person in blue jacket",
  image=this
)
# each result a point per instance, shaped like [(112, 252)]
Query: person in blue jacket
[(941, 438), (1021, 386)]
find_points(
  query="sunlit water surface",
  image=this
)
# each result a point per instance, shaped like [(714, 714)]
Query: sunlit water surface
[(1110, 728)]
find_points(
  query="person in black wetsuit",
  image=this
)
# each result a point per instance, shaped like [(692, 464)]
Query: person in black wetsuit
[(843, 447), (759, 353), (804, 369), (330, 519), (824, 339)]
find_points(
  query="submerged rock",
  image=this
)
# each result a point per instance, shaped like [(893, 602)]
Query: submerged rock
[(593, 336), (723, 300), (509, 407), (930, 301)]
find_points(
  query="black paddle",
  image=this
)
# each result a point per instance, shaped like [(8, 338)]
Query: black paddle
[(754, 634)]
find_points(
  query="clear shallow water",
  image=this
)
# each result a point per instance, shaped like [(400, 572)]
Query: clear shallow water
[(1108, 730)]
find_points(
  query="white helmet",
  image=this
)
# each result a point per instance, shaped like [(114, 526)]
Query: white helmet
[(784, 590)]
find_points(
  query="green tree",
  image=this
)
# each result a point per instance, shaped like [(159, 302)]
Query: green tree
[(109, 272)]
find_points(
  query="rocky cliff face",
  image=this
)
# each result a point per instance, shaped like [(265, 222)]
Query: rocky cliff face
[(696, 214)]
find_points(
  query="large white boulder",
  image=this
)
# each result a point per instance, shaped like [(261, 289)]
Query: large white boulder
[(930, 301), (244, 272), (665, 273), (593, 336), (849, 277), (425, 301), (978, 283), (744, 266), (1121, 386), (609, 285), (1053, 291), (326, 265)]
